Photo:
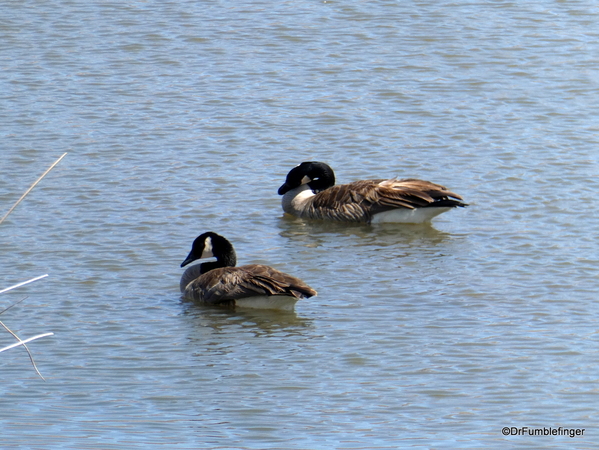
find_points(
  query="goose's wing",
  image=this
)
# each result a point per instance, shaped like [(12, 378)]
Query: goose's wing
[(360, 200), (412, 193), (345, 202), (231, 283)]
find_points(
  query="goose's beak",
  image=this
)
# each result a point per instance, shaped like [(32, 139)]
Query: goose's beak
[(284, 189), (187, 260)]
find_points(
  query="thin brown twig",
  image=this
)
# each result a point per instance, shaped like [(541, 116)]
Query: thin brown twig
[(31, 188), (14, 304), (21, 342)]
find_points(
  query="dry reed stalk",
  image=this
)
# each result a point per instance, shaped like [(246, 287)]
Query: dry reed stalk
[(31, 188), (23, 342), (19, 285)]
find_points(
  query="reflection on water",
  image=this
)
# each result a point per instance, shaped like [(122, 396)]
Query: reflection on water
[(313, 233), (259, 322)]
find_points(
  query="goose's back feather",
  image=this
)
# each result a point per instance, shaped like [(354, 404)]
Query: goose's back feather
[(361, 200), (227, 284)]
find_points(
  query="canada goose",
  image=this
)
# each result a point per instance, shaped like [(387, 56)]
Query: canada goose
[(251, 286), (310, 192)]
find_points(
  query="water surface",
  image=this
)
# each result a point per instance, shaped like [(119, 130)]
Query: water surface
[(183, 117)]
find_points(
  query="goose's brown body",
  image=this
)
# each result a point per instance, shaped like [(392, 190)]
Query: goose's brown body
[(227, 284), (310, 193), (252, 285)]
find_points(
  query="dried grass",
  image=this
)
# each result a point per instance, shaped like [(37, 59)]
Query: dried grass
[(22, 342)]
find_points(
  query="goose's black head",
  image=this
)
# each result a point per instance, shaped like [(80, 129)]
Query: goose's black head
[(208, 245), (318, 175)]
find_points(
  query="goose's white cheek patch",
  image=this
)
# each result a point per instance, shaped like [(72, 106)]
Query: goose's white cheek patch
[(306, 179), (207, 252)]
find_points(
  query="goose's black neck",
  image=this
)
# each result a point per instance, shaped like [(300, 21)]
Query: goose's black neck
[(223, 251), (320, 174), (228, 260)]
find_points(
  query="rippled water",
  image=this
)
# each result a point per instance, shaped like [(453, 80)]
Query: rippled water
[(183, 117)]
